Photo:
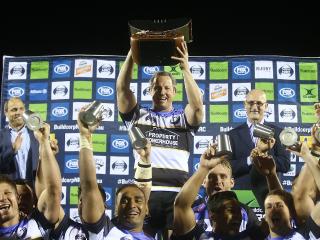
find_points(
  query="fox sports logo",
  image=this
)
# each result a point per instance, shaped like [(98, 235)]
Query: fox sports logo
[(59, 111), (120, 143)]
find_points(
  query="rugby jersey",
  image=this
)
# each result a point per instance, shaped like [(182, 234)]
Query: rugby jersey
[(170, 136)]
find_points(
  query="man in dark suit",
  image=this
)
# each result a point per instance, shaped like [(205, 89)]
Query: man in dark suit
[(19, 150), (242, 142)]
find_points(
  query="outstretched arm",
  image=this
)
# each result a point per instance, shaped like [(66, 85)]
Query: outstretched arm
[(49, 198), (303, 189), (266, 166), (194, 108), (92, 205), (184, 219), (143, 173), (125, 97)]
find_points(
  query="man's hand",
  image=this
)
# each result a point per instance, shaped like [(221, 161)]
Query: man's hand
[(183, 50), (17, 143), (86, 130), (304, 151), (264, 163), (145, 153), (54, 146), (265, 145), (43, 133), (208, 159)]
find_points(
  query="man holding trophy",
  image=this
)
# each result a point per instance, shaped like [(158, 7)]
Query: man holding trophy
[(168, 129)]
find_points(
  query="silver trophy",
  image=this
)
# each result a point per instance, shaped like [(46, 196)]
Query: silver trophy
[(32, 120), (137, 138), (223, 146), (262, 131), (92, 114), (289, 138)]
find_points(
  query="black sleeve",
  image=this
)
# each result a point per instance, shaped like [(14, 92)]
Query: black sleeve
[(103, 222), (41, 219), (62, 227), (253, 224), (127, 117), (310, 230), (194, 234)]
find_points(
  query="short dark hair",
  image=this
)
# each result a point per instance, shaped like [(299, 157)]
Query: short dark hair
[(287, 198), (29, 185), (102, 192), (216, 200), (162, 73), (127, 186), (6, 179)]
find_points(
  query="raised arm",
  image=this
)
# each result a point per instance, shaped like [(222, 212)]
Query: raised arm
[(125, 97), (266, 166), (304, 186), (49, 198), (143, 173), (194, 108), (92, 205), (184, 219)]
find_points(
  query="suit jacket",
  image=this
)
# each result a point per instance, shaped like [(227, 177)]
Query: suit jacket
[(246, 176), (7, 156)]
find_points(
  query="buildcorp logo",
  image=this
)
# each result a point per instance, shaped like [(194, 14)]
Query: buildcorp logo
[(17, 70), (287, 92), (197, 69), (288, 114), (16, 92), (146, 91), (240, 113), (120, 143), (59, 111), (203, 143), (60, 90), (241, 91), (119, 165), (72, 164), (286, 70), (106, 68), (61, 68), (241, 70), (73, 141), (105, 91), (150, 70)]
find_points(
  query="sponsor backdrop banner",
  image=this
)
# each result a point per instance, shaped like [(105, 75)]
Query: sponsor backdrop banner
[(58, 86)]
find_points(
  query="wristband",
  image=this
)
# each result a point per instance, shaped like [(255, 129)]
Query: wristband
[(85, 142), (143, 172)]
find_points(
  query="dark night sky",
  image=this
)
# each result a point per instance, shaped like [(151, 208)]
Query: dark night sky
[(90, 27)]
